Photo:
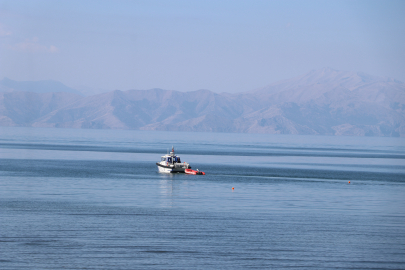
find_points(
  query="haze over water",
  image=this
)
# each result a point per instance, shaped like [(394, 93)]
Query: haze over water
[(91, 199)]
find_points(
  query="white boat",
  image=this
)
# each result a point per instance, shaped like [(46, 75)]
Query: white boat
[(171, 163)]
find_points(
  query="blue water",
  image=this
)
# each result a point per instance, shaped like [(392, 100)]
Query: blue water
[(93, 199)]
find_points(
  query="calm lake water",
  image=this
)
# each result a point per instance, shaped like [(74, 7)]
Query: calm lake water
[(93, 199)]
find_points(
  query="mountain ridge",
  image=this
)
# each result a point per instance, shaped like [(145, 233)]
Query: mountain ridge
[(43, 86), (325, 102)]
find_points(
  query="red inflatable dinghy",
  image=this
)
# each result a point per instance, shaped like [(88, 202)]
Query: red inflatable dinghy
[(190, 171)]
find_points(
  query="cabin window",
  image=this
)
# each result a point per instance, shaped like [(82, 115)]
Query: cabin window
[(178, 160), (163, 159), (169, 159)]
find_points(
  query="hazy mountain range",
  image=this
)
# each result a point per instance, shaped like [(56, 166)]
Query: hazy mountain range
[(326, 101)]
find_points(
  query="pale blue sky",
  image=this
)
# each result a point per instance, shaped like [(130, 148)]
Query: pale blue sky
[(223, 46)]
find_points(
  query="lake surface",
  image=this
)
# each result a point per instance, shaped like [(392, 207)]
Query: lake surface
[(93, 199)]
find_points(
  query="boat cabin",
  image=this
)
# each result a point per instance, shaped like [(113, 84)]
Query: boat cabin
[(171, 159)]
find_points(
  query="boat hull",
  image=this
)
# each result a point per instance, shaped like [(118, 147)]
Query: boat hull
[(190, 171), (177, 168)]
